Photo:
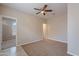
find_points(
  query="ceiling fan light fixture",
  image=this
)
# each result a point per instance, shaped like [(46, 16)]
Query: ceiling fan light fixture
[(42, 12)]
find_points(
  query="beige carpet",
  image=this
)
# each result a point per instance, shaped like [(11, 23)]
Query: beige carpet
[(46, 48)]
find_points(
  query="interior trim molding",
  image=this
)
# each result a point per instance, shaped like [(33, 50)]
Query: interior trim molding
[(28, 42), (58, 40), (71, 53)]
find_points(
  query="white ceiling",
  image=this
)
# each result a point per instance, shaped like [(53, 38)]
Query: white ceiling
[(59, 8)]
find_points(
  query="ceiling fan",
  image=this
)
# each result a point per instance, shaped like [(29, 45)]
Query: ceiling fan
[(43, 10)]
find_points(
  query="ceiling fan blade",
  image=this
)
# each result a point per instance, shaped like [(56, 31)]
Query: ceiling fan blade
[(37, 9), (45, 6), (48, 10), (38, 12)]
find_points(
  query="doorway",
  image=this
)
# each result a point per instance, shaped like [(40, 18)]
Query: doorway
[(8, 32), (44, 31)]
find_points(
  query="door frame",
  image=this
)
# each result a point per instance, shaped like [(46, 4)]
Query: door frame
[(1, 16)]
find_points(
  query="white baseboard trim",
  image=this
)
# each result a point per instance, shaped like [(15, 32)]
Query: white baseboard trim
[(28, 42), (57, 40), (71, 53)]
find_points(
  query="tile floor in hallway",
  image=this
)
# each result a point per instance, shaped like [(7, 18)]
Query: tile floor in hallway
[(13, 51), (8, 43), (8, 52)]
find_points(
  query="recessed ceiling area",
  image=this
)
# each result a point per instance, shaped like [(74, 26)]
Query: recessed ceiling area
[(58, 8)]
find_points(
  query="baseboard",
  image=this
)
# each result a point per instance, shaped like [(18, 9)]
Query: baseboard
[(71, 53), (58, 40), (28, 42)]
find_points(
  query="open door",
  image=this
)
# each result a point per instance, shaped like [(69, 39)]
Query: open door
[(8, 32)]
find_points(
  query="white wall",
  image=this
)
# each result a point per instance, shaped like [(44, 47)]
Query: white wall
[(29, 28), (57, 27), (73, 29)]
